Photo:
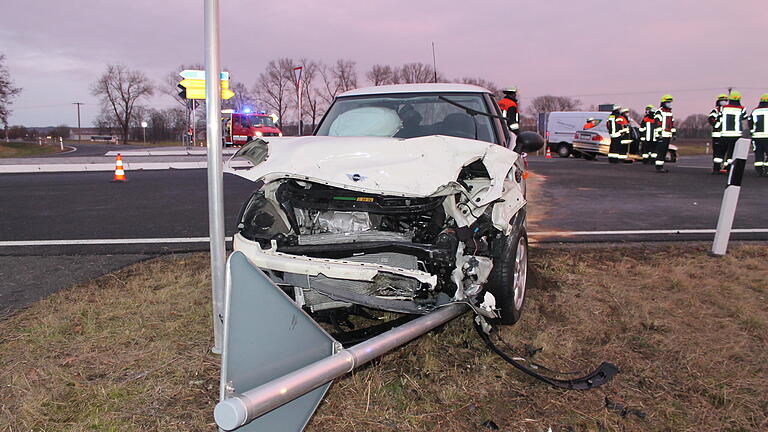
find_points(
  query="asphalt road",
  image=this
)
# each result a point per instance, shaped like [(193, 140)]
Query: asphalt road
[(580, 195)]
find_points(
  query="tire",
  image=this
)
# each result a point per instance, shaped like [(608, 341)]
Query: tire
[(563, 150), (507, 281)]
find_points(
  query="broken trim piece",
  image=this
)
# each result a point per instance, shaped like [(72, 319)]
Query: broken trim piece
[(331, 268)]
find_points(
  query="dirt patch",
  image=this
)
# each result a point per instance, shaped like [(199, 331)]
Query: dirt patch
[(16, 149), (130, 351)]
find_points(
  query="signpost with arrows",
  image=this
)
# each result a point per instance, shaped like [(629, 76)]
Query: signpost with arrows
[(193, 85)]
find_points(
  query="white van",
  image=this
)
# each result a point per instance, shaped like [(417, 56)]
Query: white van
[(562, 125)]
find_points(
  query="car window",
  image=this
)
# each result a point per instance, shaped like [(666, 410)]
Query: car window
[(408, 116)]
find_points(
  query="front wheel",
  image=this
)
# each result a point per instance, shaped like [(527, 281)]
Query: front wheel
[(509, 275), (564, 150)]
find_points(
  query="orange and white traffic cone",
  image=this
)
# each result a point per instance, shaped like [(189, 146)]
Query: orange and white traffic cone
[(119, 172), (549, 153)]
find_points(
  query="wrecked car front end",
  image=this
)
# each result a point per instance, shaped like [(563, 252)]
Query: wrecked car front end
[(402, 225)]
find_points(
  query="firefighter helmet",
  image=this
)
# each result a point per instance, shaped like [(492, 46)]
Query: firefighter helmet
[(510, 90), (591, 120), (764, 97), (666, 98), (735, 95), (625, 110), (722, 96), (649, 107), (616, 108)]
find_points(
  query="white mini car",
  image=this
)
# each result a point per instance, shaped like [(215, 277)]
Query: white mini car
[(406, 197)]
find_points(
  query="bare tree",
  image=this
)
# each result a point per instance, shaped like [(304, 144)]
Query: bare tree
[(418, 72), (480, 82), (243, 97), (120, 89), (382, 74), (7, 93), (313, 103), (274, 87), (548, 103), (340, 77), (694, 126)]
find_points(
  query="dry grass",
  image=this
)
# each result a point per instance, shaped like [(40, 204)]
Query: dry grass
[(20, 149), (128, 352)]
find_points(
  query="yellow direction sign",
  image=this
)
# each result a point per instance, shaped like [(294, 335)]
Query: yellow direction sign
[(196, 88)]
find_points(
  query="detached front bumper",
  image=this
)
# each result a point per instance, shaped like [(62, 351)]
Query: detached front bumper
[(330, 268)]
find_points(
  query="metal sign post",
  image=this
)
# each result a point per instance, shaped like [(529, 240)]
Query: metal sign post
[(215, 172), (297, 81), (730, 197)]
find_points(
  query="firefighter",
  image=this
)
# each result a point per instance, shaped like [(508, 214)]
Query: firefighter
[(732, 115), (714, 118), (759, 129), (510, 110), (626, 136), (647, 132), (614, 130), (665, 123), (591, 122)]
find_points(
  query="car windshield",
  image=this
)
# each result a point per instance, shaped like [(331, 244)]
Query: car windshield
[(408, 116), (258, 121)]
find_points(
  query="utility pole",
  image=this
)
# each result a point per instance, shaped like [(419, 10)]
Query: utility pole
[(78, 118), (434, 62)]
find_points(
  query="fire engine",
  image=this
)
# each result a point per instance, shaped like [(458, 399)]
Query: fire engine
[(241, 127)]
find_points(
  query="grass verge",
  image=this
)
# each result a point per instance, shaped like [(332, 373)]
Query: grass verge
[(22, 149), (130, 352)]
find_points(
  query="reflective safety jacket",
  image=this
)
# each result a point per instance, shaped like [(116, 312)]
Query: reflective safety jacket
[(732, 116), (714, 119), (614, 129), (665, 122), (509, 110), (758, 120), (647, 128), (623, 123)]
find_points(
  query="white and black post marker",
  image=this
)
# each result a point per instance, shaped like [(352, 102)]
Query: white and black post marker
[(730, 197)]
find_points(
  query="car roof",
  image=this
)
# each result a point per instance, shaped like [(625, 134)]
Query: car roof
[(416, 88)]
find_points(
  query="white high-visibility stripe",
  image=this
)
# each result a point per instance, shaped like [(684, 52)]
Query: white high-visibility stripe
[(717, 160), (645, 155), (654, 155), (634, 232), (613, 155), (759, 163), (737, 114), (759, 119), (622, 156), (79, 242), (659, 162), (637, 232)]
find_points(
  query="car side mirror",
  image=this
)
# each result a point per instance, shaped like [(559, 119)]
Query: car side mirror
[(528, 142)]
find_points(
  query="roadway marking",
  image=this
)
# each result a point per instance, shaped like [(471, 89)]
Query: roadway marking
[(635, 232), (165, 240), (107, 241)]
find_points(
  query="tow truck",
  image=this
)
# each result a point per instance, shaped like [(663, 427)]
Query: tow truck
[(243, 126)]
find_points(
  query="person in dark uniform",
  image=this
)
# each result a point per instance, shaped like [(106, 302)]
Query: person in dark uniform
[(759, 129), (510, 110), (614, 130), (647, 132), (714, 119), (666, 130)]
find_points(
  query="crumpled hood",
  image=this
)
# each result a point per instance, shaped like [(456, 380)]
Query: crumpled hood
[(414, 167)]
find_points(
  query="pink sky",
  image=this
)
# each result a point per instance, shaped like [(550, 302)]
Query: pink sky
[(599, 51)]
